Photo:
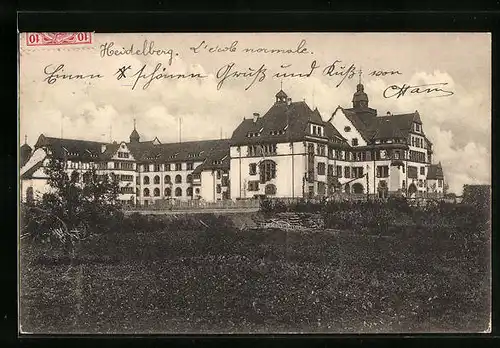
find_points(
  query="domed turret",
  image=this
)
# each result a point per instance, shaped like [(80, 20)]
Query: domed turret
[(134, 136), (360, 98)]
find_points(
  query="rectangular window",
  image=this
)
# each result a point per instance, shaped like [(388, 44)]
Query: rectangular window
[(382, 171), (167, 167), (331, 153), (321, 168), (157, 167), (219, 189), (321, 150), (189, 166), (412, 172), (253, 168), (357, 172), (422, 170), (178, 166), (347, 172), (440, 183), (339, 171), (330, 170), (253, 186), (321, 188), (354, 141), (310, 148), (225, 181), (146, 167)]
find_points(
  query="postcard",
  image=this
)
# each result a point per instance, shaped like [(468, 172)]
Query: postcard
[(234, 183)]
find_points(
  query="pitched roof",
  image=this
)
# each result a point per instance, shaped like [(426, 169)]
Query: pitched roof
[(392, 126), (72, 149), (282, 122), (218, 158), (182, 152), (435, 172), (281, 94)]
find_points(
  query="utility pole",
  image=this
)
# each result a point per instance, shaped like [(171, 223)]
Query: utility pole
[(180, 130)]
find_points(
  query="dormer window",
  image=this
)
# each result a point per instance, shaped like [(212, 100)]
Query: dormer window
[(354, 141), (316, 130), (417, 128)]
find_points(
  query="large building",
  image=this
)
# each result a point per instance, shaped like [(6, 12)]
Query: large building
[(289, 151)]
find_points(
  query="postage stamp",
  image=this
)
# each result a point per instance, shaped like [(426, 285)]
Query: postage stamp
[(51, 39)]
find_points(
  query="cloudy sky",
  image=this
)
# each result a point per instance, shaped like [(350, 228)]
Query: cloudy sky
[(104, 108)]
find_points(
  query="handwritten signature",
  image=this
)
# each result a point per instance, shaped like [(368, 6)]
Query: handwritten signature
[(431, 88)]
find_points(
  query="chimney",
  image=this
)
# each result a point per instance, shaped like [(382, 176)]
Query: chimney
[(255, 116), (103, 148), (288, 101)]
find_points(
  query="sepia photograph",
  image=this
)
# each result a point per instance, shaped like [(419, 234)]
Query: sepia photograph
[(254, 183)]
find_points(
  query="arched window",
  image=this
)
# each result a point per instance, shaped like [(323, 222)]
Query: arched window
[(146, 192), (168, 192), (156, 192), (357, 188), (267, 170), (178, 179), (167, 179), (270, 189), (189, 179), (189, 191), (347, 188), (145, 181), (178, 192), (412, 189), (156, 180)]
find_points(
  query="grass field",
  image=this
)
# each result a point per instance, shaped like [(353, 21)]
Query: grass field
[(241, 281)]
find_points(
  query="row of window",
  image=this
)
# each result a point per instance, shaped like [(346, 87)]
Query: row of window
[(178, 179), (262, 150), (167, 179), (122, 154), (167, 167), (417, 156), (168, 192)]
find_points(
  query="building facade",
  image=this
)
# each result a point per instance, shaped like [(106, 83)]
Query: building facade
[(290, 151)]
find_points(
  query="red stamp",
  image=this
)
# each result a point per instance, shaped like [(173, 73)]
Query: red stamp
[(54, 39)]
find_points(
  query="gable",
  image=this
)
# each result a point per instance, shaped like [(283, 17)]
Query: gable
[(346, 127), (34, 162), (122, 152)]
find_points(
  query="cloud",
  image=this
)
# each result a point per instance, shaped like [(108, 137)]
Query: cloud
[(458, 126)]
